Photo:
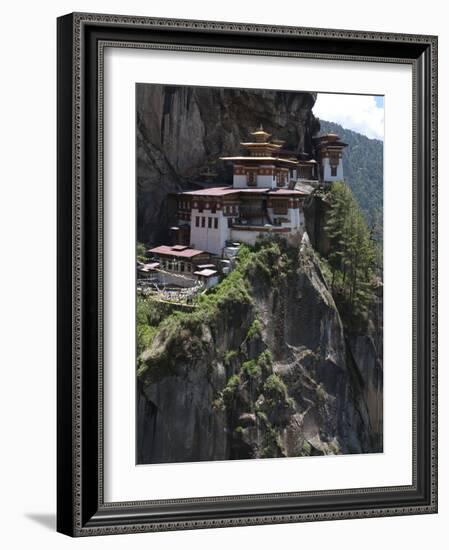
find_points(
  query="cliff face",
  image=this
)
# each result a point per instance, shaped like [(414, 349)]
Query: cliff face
[(264, 366), (182, 131), (267, 371)]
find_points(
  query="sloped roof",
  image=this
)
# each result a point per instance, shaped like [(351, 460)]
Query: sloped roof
[(171, 251)]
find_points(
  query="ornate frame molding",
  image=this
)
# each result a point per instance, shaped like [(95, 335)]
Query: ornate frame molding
[(81, 42)]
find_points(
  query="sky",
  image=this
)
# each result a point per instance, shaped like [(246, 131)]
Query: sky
[(361, 113)]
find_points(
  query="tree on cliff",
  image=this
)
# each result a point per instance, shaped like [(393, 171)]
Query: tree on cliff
[(363, 169), (352, 252)]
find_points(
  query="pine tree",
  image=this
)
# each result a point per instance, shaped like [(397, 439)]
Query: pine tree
[(352, 252)]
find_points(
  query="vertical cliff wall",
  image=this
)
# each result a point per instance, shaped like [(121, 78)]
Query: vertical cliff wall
[(264, 366)]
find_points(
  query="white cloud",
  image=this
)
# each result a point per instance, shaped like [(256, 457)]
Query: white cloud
[(355, 112)]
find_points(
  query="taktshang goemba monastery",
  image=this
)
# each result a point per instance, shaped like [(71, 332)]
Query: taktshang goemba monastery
[(267, 194)]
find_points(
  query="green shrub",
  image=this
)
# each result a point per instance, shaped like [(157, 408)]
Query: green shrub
[(141, 252), (145, 327), (251, 368), (255, 329), (274, 386), (265, 361), (145, 335), (271, 446), (229, 356), (229, 392)]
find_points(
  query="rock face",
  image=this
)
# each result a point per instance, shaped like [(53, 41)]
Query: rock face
[(270, 371), (269, 376), (181, 131)]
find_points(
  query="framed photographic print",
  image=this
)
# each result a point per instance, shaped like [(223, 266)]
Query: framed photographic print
[(246, 274)]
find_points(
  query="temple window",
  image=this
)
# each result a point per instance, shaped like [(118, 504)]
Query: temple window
[(216, 223), (197, 221), (280, 207), (203, 222), (209, 222)]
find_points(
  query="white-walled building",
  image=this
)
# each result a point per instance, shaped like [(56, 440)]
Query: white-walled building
[(267, 194), (262, 199), (222, 214), (329, 150)]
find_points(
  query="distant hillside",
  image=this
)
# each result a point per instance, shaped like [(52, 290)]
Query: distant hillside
[(363, 170)]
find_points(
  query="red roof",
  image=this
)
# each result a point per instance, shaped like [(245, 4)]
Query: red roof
[(259, 159), (212, 191), (262, 190), (286, 192), (205, 272), (149, 267), (220, 191), (172, 251)]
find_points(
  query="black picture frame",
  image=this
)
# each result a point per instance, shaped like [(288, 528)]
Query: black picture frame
[(81, 510)]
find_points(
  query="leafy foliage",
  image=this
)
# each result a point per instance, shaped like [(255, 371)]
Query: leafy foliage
[(274, 387), (251, 368), (229, 356), (229, 392), (141, 252), (146, 324), (255, 329), (352, 255)]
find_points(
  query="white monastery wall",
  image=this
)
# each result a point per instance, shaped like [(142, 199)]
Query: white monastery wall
[(266, 180), (241, 235), (327, 170), (208, 237), (239, 181)]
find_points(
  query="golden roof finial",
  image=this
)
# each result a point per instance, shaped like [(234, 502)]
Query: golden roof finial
[(260, 134)]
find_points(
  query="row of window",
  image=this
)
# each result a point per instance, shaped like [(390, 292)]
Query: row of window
[(251, 178), (213, 207), (280, 207), (232, 209), (227, 209), (168, 265), (210, 222)]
